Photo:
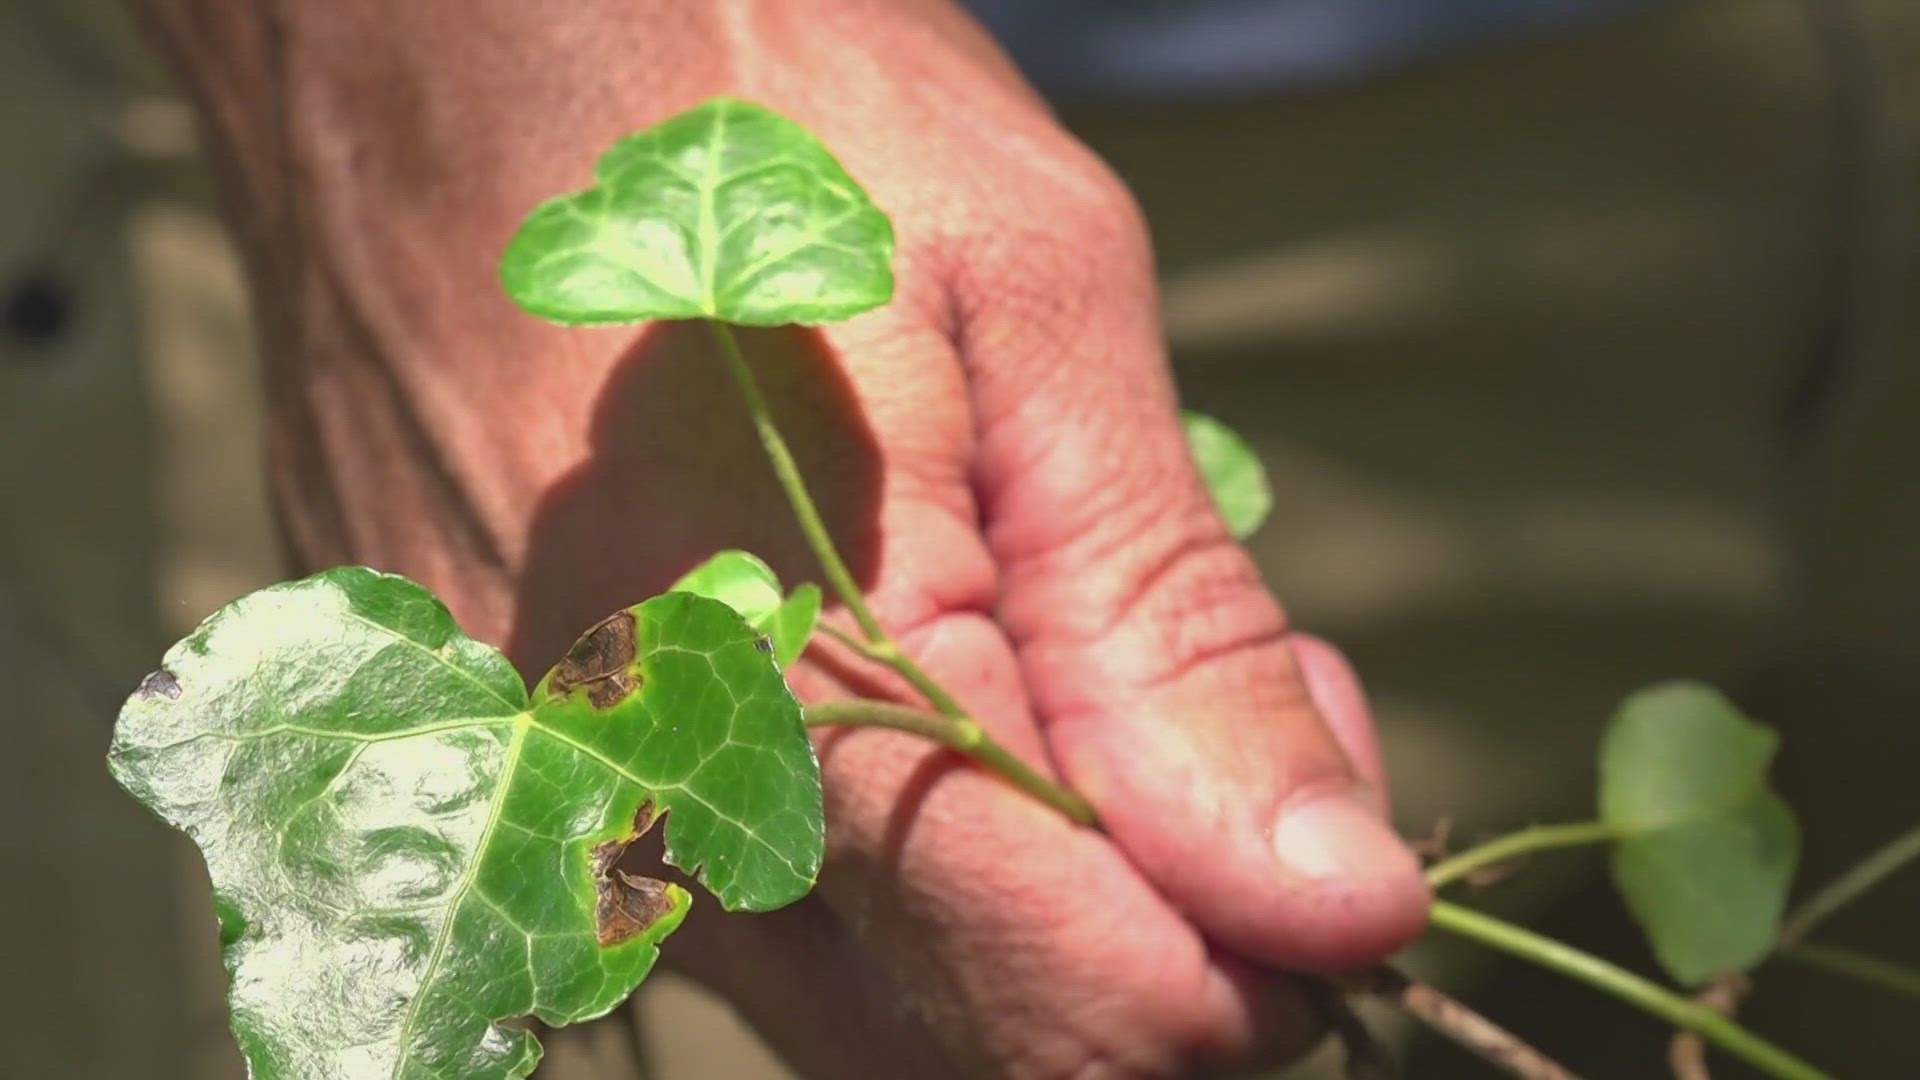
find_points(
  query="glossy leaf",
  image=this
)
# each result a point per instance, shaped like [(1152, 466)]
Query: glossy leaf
[(1706, 852), (747, 585), (406, 847), (726, 211), (1233, 473)]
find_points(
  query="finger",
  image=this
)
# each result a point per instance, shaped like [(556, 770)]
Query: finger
[(1342, 701), (1153, 654), (1009, 932)]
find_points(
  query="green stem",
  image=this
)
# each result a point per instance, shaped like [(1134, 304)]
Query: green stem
[(1846, 888), (1885, 974), (953, 728), (880, 646), (1625, 985), (854, 642), (962, 735), (1531, 839)]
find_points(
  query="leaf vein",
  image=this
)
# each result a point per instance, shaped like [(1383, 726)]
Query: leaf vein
[(457, 896)]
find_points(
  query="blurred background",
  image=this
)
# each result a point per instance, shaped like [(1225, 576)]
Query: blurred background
[(1578, 336)]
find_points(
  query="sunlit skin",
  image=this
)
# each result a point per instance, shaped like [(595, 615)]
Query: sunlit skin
[(997, 451)]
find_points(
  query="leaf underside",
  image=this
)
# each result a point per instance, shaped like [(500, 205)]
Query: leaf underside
[(727, 211), (406, 847), (1706, 851)]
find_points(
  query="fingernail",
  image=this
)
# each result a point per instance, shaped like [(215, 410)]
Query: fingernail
[(1336, 836)]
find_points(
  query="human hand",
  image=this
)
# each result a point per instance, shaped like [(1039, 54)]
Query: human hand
[(997, 450)]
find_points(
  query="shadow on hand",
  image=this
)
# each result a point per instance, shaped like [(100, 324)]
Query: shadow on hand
[(675, 473)]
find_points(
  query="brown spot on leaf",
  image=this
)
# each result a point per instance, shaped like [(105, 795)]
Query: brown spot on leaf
[(643, 816), (625, 905), (601, 661), (160, 684), (628, 907)]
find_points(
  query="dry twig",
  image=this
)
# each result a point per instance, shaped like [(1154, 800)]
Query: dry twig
[(1687, 1053), (1456, 1021)]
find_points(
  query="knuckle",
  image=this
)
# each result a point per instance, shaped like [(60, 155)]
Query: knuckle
[(1201, 602), (1150, 595), (1080, 240)]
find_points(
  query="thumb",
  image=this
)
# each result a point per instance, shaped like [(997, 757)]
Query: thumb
[(1159, 664)]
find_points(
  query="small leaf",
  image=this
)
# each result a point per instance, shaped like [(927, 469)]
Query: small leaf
[(747, 585), (407, 848), (1710, 893), (1232, 472), (738, 579), (792, 623), (1706, 852), (726, 211)]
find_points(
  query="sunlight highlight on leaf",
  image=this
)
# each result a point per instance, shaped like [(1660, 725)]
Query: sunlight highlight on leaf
[(406, 847)]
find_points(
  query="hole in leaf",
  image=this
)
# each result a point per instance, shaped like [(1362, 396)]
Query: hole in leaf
[(626, 904)]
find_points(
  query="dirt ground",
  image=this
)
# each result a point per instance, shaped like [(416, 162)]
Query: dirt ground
[(1577, 363)]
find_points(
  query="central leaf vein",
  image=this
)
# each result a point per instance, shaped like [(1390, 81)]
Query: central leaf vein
[(458, 897)]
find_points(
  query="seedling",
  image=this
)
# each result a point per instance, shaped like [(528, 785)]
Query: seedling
[(409, 848)]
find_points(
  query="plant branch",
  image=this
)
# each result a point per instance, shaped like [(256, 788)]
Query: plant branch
[(1625, 985), (1886, 974), (1450, 1017), (953, 728), (962, 735), (1511, 846), (1366, 1059), (1849, 886), (1687, 1052), (852, 641), (880, 647)]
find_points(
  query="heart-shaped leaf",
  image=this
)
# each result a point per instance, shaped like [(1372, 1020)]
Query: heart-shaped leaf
[(727, 211), (1233, 473), (1705, 852), (406, 847), (747, 585)]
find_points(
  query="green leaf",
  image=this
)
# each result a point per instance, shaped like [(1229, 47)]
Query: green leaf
[(406, 847), (1710, 893), (726, 211), (1706, 852), (747, 585), (738, 579), (792, 622), (1232, 472)]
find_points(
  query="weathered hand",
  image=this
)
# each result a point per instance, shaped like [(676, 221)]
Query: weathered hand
[(997, 451)]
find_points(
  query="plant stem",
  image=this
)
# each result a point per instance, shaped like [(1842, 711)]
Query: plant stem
[(1723, 994), (880, 646), (1886, 974), (1625, 985), (956, 730), (953, 727), (852, 641), (961, 734), (1493, 1043), (1687, 1051), (1846, 888), (1530, 839)]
